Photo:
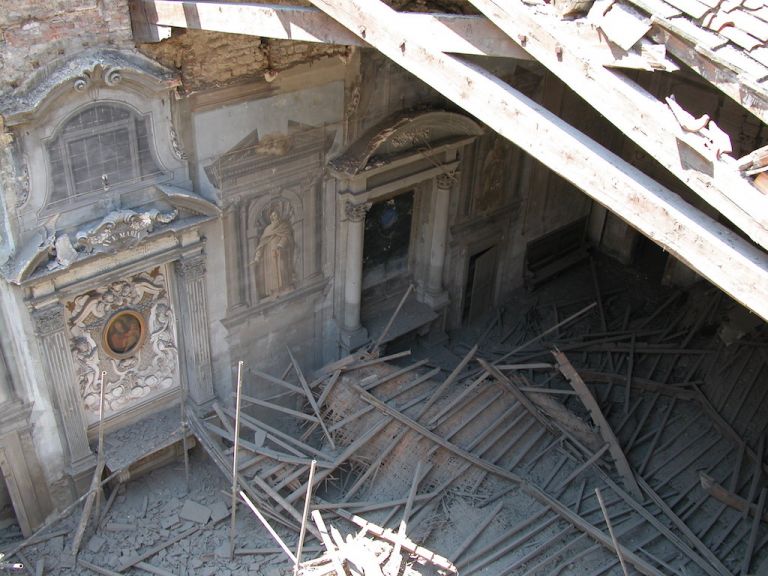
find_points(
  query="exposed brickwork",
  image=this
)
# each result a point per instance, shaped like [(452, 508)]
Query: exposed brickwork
[(215, 59), (34, 32)]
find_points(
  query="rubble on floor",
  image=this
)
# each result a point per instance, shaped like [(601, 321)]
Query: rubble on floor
[(595, 427)]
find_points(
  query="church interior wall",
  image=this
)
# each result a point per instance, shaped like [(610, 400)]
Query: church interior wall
[(254, 124)]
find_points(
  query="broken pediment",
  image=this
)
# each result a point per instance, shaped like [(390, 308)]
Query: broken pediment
[(118, 230), (254, 154), (90, 69), (403, 134)]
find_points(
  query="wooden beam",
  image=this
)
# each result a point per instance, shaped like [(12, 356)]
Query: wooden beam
[(603, 427), (651, 124), (454, 33), (704, 245)]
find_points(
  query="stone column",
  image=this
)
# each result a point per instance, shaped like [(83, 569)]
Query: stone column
[(353, 333), (194, 329), (435, 294), (50, 327)]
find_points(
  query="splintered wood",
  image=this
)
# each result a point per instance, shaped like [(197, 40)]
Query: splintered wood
[(613, 458)]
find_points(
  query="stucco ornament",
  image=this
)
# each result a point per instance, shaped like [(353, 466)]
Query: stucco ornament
[(149, 368), (122, 229)]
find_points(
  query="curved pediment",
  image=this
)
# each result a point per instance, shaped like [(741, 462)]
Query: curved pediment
[(52, 251), (404, 134), (87, 70)]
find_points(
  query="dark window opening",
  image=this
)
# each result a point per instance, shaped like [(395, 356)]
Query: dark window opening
[(103, 147), (387, 238)]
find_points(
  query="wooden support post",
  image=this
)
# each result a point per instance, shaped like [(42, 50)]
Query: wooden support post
[(235, 471)]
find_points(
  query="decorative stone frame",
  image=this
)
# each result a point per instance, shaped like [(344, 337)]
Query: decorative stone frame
[(409, 151), (41, 108)]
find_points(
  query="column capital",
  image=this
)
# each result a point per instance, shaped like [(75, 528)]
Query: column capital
[(446, 179), (191, 267), (49, 320), (357, 212)]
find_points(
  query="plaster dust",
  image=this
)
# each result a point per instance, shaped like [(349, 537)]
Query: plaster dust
[(154, 508)]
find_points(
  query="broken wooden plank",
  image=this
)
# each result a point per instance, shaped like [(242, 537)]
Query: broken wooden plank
[(375, 348), (619, 458), (405, 543), (753, 533), (683, 527), (330, 547), (726, 496), (476, 532), (311, 399)]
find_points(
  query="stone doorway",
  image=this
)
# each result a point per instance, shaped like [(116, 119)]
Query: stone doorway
[(481, 284)]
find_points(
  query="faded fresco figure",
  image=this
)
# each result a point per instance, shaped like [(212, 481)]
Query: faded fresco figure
[(274, 256)]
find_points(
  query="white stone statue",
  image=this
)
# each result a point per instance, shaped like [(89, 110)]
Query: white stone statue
[(274, 256)]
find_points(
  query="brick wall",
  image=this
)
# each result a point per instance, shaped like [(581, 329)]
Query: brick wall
[(208, 59), (35, 32)]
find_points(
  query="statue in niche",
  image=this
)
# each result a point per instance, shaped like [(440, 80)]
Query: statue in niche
[(274, 256)]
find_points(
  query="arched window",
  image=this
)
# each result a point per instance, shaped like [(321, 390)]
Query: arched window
[(105, 146)]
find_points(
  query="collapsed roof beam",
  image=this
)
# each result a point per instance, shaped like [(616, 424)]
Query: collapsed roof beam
[(452, 33), (739, 84), (649, 123), (715, 252)]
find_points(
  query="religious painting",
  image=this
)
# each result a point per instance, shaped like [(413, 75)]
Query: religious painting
[(126, 328), (124, 334)]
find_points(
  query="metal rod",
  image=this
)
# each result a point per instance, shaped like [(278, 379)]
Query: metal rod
[(234, 465), (184, 430), (263, 520), (304, 517)]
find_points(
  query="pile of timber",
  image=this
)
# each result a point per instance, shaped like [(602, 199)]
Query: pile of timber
[(578, 445)]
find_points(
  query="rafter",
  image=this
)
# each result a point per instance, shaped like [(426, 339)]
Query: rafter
[(642, 118), (714, 251), (446, 32)]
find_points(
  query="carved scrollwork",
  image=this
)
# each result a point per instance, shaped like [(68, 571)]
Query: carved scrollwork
[(122, 229), (109, 75), (112, 76), (150, 366), (81, 83), (357, 212)]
